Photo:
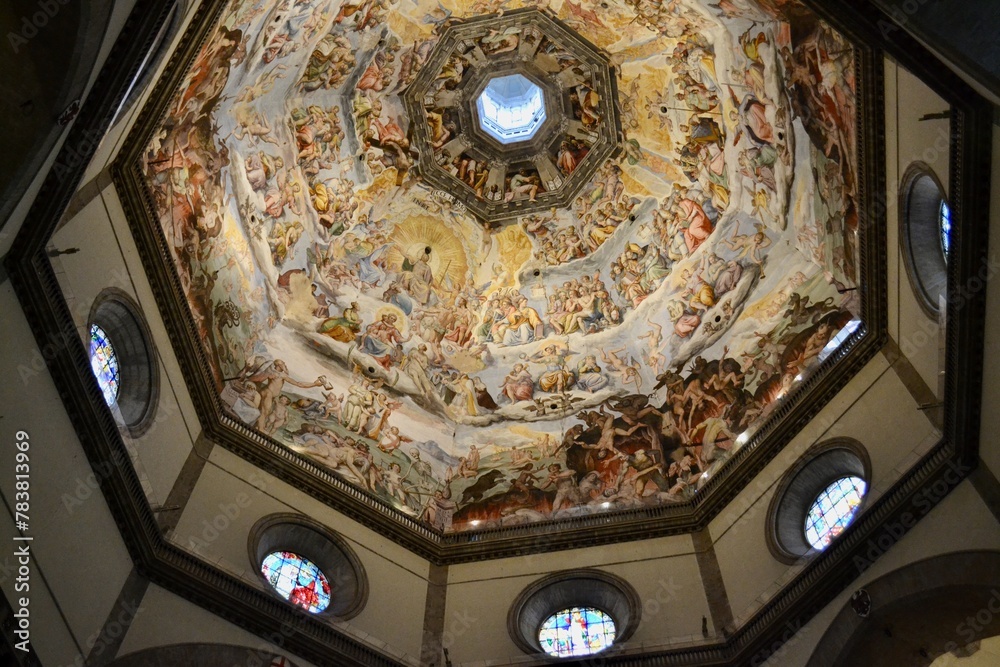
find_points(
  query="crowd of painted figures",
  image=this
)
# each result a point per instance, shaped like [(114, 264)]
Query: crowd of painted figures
[(263, 212)]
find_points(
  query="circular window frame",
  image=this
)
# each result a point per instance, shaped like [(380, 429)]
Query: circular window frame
[(120, 317), (921, 194), (822, 464), (574, 588), (328, 551)]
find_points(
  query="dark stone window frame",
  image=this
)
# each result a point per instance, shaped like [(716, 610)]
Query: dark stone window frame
[(325, 549), (573, 588), (920, 197), (117, 313), (821, 465)]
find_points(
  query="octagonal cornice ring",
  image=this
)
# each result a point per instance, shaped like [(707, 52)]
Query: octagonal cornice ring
[(499, 181)]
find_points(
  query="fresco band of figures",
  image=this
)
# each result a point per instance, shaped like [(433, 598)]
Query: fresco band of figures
[(604, 356)]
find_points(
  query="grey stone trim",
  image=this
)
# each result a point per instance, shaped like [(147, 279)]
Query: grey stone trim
[(988, 487), (713, 582), (180, 493), (432, 651), (106, 645)]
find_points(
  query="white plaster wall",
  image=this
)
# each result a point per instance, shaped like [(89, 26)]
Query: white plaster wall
[(909, 139), (77, 552), (876, 409), (164, 619), (108, 257), (664, 572), (231, 495), (960, 522)]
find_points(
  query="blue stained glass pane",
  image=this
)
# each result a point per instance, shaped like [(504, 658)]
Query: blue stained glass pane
[(297, 580), (833, 510), (104, 363), (945, 228), (576, 631)]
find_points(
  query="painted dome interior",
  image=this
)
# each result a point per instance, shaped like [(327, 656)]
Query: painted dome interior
[(606, 353)]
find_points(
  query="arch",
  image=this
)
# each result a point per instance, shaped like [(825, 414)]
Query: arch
[(821, 465), (573, 588), (920, 197), (199, 655), (918, 612), (317, 543), (120, 317)]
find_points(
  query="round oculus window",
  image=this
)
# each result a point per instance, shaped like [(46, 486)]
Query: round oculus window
[(833, 510), (577, 631), (944, 227), (104, 363), (297, 580)]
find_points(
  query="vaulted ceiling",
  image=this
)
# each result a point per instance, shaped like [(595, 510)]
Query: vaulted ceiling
[(480, 334)]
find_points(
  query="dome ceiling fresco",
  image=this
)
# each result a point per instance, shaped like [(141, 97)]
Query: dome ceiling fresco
[(387, 294)]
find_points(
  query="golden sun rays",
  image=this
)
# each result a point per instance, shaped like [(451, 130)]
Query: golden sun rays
[(447, 259)]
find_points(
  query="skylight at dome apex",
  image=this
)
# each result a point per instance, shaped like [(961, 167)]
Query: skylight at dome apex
[(511, 108), (602, 356)]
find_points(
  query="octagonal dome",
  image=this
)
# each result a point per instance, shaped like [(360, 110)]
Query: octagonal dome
[(678, 255), (511, 108)]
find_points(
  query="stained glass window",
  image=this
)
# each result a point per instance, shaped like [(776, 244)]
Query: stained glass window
[(833, 510), (577, 631), (511, 108), (104, 363), (297, 580), (944, 225)]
